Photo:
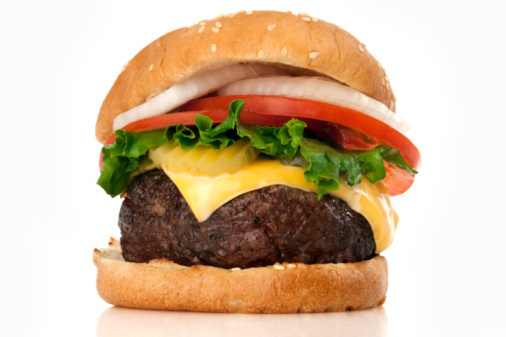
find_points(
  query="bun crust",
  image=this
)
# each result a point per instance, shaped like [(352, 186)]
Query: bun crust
[(286, 288), (303, 44)]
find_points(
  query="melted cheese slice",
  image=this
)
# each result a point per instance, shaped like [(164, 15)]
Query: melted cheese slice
[(206, 194)]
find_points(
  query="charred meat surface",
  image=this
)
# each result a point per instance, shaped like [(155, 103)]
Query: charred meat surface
[(272, 224)]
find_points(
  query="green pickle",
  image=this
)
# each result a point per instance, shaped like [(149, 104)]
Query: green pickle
[(204, 160)]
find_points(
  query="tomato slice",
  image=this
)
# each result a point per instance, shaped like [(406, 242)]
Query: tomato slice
[(397, 180), (351, 129), (348, 138), (300, 108), (186, 118)]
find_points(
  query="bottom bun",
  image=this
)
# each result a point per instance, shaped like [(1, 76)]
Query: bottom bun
[(281, 288)]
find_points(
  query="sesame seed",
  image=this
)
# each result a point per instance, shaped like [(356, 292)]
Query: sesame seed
[(284, 51), (235, 269), (202, 23), (201, 29), (306, 18), (124, 66), (151, 67), (215, 30), (386, 78), (260, 53), (278, 267), (231, 15), (387, 85), (271, 27), (315, 19), (218, 24), (383, 80), (361, 48), (249, 12), (291, 266), (391, 105), (213, 48), (313, 55)]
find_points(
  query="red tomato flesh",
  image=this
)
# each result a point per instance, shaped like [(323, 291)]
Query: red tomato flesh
[(397, 180)]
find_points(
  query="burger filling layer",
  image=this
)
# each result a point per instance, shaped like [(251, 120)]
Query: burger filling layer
[(272, 224), (206, 167), (205, 191)]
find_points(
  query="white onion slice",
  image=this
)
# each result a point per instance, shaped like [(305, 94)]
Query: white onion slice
[(316, 89), (194, 87)]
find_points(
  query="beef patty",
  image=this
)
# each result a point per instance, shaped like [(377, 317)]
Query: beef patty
[(259, 228)]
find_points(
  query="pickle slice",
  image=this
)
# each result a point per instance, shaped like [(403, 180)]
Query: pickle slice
[(204, 160)]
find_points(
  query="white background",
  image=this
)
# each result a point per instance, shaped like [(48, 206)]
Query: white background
[(446, 63)]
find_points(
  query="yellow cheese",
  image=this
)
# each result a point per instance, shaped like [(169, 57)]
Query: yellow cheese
[(205, 194)]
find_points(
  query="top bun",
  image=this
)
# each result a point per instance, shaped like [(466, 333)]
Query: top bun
[(300, 43)]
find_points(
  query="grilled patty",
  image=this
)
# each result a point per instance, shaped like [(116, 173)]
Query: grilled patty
[(258, 228)]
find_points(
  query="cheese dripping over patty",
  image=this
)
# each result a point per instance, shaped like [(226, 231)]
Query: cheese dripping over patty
[(205, 193)]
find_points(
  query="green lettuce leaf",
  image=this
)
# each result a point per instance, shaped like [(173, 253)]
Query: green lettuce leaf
[(122, 158), (324, 163), (273, 141), (394, 157)]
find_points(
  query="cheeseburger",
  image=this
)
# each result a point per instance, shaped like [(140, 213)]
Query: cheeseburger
[(256, 154)]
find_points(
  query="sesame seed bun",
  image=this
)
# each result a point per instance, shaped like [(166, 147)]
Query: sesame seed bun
[(300, 43), (304, 46), (282, 288)]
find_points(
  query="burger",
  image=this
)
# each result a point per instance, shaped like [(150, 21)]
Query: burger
[(256, 155)]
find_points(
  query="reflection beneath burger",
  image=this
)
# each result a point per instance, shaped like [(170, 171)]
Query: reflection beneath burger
[(124, 322)]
